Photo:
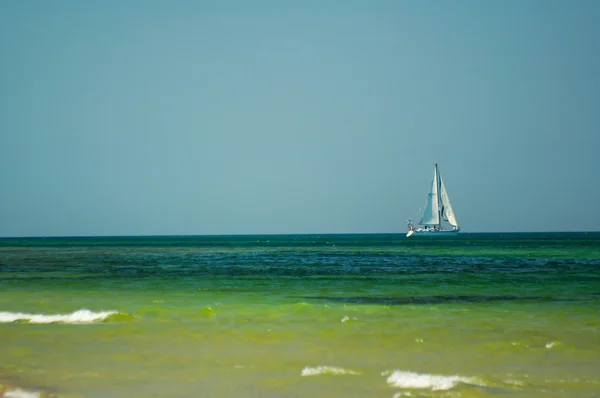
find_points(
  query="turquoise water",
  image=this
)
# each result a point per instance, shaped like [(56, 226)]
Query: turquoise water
[(479, 315)]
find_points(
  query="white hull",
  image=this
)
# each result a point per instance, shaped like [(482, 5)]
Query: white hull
[(431, 233)]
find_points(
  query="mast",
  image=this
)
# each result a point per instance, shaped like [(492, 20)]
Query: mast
[(439, 199)]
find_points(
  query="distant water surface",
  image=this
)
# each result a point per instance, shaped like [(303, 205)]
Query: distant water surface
[(479, 315)]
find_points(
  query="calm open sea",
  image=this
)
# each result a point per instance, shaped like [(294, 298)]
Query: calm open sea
[(479, 315)]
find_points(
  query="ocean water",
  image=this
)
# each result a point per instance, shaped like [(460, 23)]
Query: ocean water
[(479, 315)]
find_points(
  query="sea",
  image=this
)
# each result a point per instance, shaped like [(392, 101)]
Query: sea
[(372, 315)]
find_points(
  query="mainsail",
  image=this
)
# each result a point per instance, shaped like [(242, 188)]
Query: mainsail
[(431, 213), (438, 205)]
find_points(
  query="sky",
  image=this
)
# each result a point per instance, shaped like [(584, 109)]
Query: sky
[(265, 117)]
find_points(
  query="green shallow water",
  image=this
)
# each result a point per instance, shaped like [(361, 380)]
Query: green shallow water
[(492, 314)]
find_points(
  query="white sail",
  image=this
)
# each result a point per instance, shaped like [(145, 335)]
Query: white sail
[(447, 212), (431, 214), (437, 207)]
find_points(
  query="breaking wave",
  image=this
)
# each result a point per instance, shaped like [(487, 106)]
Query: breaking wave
[(81, 316), (403, 379), (19, 393), (327, 370)]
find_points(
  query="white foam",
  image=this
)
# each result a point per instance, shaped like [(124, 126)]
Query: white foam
[(81, 316), (347, 318), (551, 344), (403, 379), (18, 393), (327, 370), (514, 382)]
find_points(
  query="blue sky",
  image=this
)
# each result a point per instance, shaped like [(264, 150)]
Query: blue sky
[(155, 117)]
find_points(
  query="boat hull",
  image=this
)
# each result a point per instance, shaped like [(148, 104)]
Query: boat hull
[(431, 233)]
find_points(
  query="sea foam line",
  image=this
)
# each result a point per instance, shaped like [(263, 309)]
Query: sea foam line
[(403, 379), (19, 393), (327, 370), (81, 316)]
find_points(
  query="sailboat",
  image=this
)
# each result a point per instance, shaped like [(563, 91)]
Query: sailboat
[(437, 208)]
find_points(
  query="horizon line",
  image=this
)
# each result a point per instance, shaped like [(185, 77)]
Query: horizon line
[(277, 234)]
